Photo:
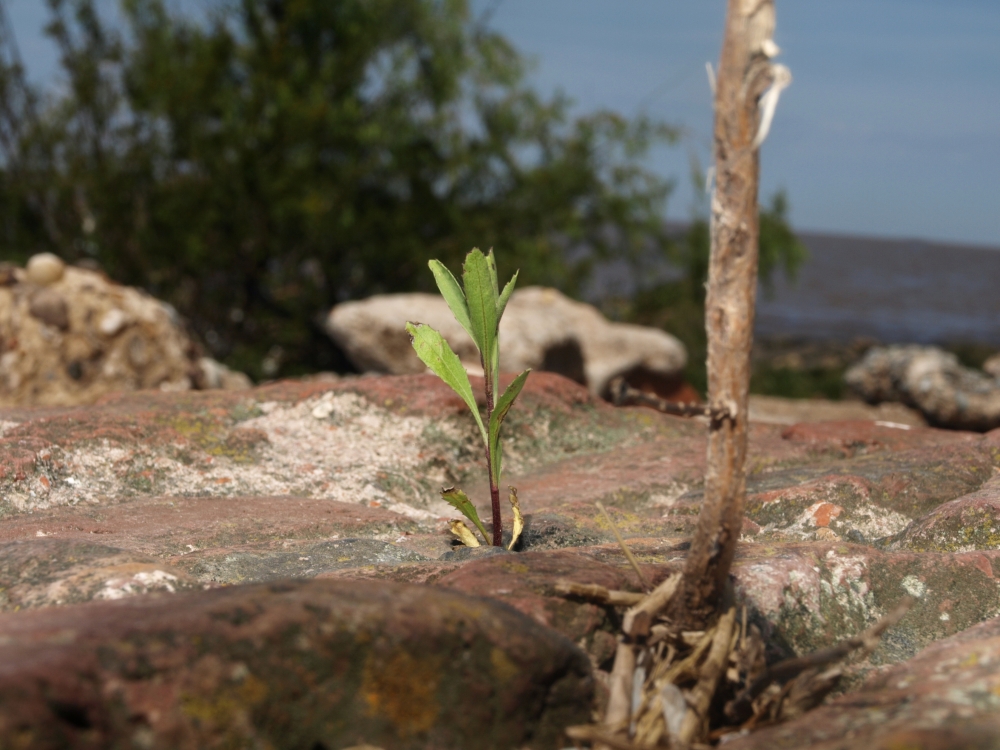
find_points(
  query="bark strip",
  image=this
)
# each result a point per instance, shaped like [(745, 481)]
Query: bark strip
[(745, 73)]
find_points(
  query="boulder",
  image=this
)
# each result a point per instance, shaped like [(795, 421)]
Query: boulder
[(541, 329), (931, 381), (70, 335), (317, 664)]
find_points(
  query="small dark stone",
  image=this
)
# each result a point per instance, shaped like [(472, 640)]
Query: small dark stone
[(8, 276), (71, 713), (853, 535), (75, 369), (49, 307)]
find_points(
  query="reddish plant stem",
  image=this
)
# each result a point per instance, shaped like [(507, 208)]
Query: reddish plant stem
[(494, 487)]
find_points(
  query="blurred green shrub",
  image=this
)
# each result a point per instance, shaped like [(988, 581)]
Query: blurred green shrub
[(259, 167)]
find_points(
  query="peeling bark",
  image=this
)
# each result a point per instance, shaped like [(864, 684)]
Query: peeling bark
[(746, 93)]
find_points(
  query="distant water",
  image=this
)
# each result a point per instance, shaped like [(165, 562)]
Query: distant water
[(890, 290)]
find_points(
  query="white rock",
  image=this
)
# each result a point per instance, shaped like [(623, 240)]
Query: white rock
[(45, 268), (106, 338), (541, 328), (112, 322), (214, 374)]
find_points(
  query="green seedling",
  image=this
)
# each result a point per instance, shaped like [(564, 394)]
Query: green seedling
[(478, 306)]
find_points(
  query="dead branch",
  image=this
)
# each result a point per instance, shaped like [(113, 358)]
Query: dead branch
[(639, 619), (696, 720), (597, 594), (740, 708), (622, 394), (745, 73), (621, 542), (619, 711)]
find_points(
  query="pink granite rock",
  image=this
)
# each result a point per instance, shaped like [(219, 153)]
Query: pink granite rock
[(169, 493)]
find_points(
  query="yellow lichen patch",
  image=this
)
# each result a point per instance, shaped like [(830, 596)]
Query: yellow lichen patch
[(504, 670), (970, 661), (624, 520), (516, 568), (403, 688), (226, 708)]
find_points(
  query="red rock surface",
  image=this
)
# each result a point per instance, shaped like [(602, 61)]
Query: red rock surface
[(947, 697), (154, 492), (294, 664)]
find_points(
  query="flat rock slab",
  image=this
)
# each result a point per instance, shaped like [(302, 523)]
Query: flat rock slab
[(175, 493), (318, 664)]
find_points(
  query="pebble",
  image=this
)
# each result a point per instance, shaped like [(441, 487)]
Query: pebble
[(45, 268)]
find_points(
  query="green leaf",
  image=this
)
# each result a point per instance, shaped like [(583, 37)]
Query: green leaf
[(496, 420), (460, 501), (482, 301), (505, 296), (452, 293), (435, 352), (491, 261)]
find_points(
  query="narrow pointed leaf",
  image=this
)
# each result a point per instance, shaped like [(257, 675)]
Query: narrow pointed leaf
[(505, 296), (460, 502), (435, 352), (460, 530), (482, 301), (495, 372), (447, 284), (500, 410), (496, 460), (491, 261), (518, 518), (505, 402)]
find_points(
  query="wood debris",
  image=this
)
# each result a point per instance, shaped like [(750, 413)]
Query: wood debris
[(687, 689)]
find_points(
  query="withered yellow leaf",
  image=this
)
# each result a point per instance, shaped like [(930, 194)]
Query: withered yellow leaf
[(518, 518), (465, 536)]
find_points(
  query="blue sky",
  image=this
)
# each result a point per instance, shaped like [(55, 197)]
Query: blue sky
[(890, 128)]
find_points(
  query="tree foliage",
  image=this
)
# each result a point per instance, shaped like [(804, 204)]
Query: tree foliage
[(285, 155), (255, 168)]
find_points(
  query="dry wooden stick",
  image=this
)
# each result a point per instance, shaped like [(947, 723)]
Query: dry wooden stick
[(628, 553), (745, 73), (599, 736), (639, 619), (703, 692), (622, 394), (593, 592), (739, 709), (619, 711)]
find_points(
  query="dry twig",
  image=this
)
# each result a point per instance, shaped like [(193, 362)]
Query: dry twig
[(597, 594), (628, 553)]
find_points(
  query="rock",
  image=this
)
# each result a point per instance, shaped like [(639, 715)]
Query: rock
[(152, 496), (945, 697), (9, 273), (70, 336), (308, 664), (541, 329), (214, 374), (790, 411), (44, 269), (992, 366), (49, 307), (931, 381)]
